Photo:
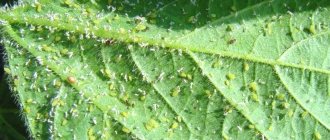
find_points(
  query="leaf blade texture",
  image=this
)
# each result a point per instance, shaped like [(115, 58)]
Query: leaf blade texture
[(171, 69)]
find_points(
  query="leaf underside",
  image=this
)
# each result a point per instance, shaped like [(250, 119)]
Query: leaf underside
[(171, 69)]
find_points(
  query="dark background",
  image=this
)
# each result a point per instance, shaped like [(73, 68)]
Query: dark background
[(11, 122)]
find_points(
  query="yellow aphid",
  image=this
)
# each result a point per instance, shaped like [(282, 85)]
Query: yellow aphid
[(46, 48), (290, 113), (217, 64), (174, 125), (286, 105), (312, 29), (253, 86), (55, 102), (227, 83), (64, 51), (120, 8), (122, 30), (270, 128), (208, 93), (142, 98), (38, 7), (151, 124), (317, 135), (191, 19), (175, 92), (7, 70), (58, 84), (269, 28), (91, 135), (185, 75), (230, 76), (255, 97), (64, 122), (140, 27), (126, 130), (108, 72), (178, 118), (29, 100), (27, 110), (246, 67), (124, 114), (280, 96), (68, 3), (304, 114), (57, 38)]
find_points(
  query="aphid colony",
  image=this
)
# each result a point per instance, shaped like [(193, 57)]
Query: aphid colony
[(140, 26)]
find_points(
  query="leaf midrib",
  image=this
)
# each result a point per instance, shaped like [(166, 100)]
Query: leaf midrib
[(152, 42)]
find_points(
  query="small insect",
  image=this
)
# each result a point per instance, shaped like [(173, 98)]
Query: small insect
[(230, 76), (231, 41), (246, 67), (255, 97), (109, 41), (174, 125), (151, 124), (71, 80), (253, 86), (317, 135), (38, 7), (126, 130), (175, 92), (290, 113), (124, 114)]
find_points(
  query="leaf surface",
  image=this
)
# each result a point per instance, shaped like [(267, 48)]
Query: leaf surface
[(171, 69)]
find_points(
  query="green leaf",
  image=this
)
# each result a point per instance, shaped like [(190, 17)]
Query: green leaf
[(171, 69)]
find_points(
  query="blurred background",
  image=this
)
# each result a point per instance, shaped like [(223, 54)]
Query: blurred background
[(11, 122)]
